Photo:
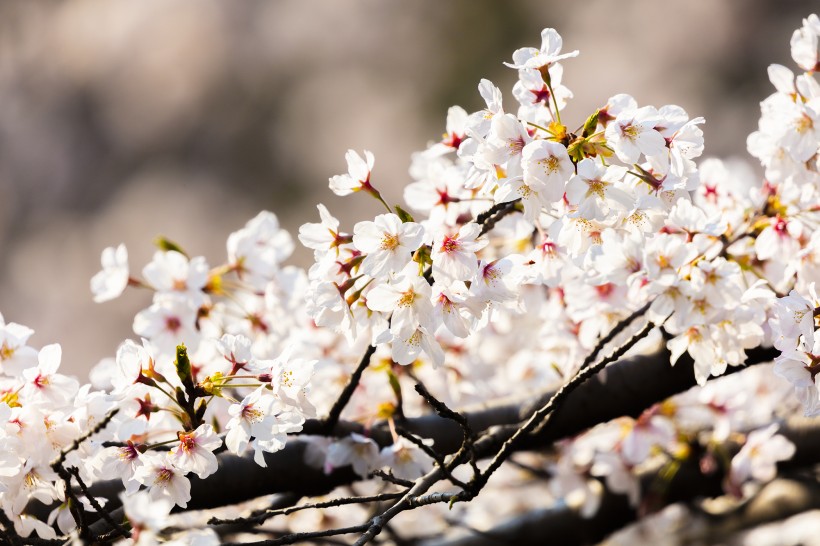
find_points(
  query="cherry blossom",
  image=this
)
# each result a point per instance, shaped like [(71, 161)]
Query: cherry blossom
[(110, 283), (550, 52), (358, 176), (387, 242)]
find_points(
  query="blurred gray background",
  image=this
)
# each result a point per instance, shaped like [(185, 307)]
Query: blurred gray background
[(120, 120)]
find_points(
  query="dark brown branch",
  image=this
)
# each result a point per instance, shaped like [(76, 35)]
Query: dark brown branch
[(631, 386), (777, 500), (491, 217), (96, 505), (8, 533), (293, 538)]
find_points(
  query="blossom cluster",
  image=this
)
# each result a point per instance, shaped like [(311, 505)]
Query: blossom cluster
[(522, 243)]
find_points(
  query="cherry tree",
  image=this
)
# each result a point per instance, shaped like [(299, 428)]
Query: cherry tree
[(579, 330)]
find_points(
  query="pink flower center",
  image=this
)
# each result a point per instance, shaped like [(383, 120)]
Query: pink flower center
[(450, 244), (172, 324)]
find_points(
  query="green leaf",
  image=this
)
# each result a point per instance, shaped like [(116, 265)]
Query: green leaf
[(165, 244), (403, 214), (591, 124), (183, 366)]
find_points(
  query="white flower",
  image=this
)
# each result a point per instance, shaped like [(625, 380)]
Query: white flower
[(262, 417), (793, 316), (146, 513), (550, 52), (633, 133), (457, 120), (44, 384), (800, 366), (112, 280), (171, 320), (479, 122), (531, 90), (357, 177), (408, 298), (506, 140), (455, 308), (408, 342), (804, 44), (119, 462), (387, 242), (194, 453), (547, 168), (644, 435), (132, 360), (290, 380), (172, 272), (406, 459), (15, 355), (454, 256), (327, 305), (597, 189), (256, 250), (236, 350), (356, 450), (757, 459), (324, 236), (534, 197), (163, 478), (696, 340)]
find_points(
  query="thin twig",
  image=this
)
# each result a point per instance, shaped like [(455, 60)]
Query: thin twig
[(96, 505), (76, 443), (72, 501), (540, 418), (341, 402), (390, 478), (415, 440), (617, 329), (267, 514), (443, 411)]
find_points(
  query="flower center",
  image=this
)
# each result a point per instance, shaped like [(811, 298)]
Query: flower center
[(164, 477), (629, 131), (596, 187), (550, 164), (251, 414), (449, 244), (6, 352), (407, 298), (389, 241)]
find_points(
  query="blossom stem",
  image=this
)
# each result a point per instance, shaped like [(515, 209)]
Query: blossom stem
[(538, 126), (554, 101)]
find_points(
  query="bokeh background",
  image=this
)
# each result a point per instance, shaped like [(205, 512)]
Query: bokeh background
[(121, 120)]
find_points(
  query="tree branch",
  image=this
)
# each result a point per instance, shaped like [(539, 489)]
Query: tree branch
[(631, 386)]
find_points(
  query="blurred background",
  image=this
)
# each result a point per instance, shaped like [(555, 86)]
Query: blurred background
[(120, 121)]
